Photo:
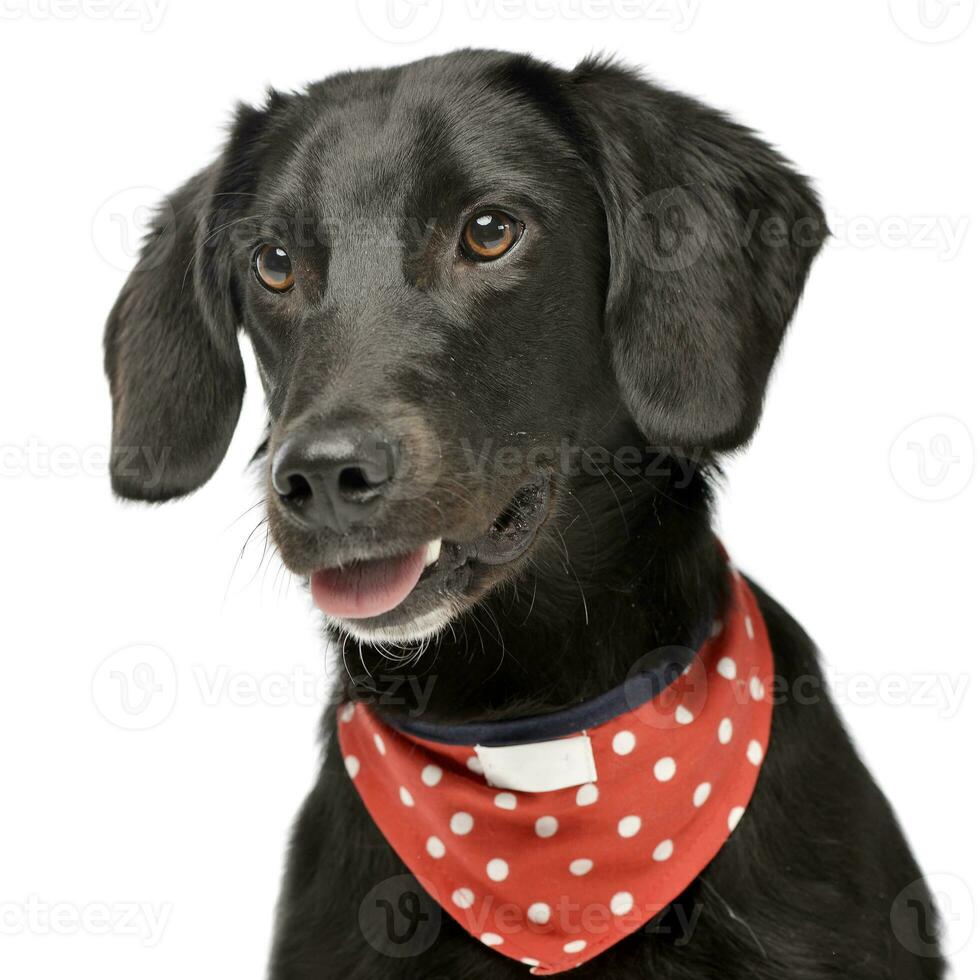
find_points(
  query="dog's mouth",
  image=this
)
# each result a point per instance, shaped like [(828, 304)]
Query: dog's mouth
[(373, 587)]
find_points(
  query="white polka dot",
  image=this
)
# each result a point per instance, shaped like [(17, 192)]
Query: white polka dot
[(575, 946), (490, 939), (346, 712), (431, 775), (622, 902), (665, 769), (735, 816), (663, 851), (546, 826), (539, 913), (379, 744), (587, 794), (757, 689), (749, 629), (624, 743), (725, 730), (683, 716), (435, 847), (754, 753), (630, 826), (353, 765), (716, 628), (530, 961), (701, 794), (474, 765), (506, 801), (580, 866), (727, 669), (497, 869), (461, 823), (463, 898), (405, 796)]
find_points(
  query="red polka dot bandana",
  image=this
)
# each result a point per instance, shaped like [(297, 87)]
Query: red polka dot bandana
[(553, 878)]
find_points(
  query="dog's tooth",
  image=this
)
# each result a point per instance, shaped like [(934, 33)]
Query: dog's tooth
[(432, 551)]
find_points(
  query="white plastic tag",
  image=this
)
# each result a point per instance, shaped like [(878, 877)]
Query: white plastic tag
[(539, 767)]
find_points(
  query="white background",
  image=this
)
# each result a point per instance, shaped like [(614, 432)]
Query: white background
[(153, 852)]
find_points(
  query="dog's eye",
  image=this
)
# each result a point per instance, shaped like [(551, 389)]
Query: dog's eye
[(273, 268), (489, 234)]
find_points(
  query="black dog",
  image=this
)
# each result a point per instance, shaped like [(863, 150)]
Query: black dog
[(506, 316)]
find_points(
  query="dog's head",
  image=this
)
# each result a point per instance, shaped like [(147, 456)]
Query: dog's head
[(454, 275)]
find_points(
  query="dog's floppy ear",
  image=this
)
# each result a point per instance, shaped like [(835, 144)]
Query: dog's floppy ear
[(711, 235), (171, 346)]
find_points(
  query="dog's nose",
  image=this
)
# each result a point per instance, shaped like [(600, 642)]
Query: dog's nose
[(336, 479)]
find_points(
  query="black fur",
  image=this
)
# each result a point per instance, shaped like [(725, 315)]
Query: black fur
[(636, 322)]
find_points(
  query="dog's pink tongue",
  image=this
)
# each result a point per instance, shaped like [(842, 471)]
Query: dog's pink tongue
[(367, 588)]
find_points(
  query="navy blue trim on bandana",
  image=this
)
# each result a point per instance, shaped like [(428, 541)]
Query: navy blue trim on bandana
[(635, 691)]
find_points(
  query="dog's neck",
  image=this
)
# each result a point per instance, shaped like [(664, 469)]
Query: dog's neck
[(629, 567)]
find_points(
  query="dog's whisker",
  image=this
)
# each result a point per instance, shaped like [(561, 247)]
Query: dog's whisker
[(241, 554), (534, 595), (204, 244), (732, 915)]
